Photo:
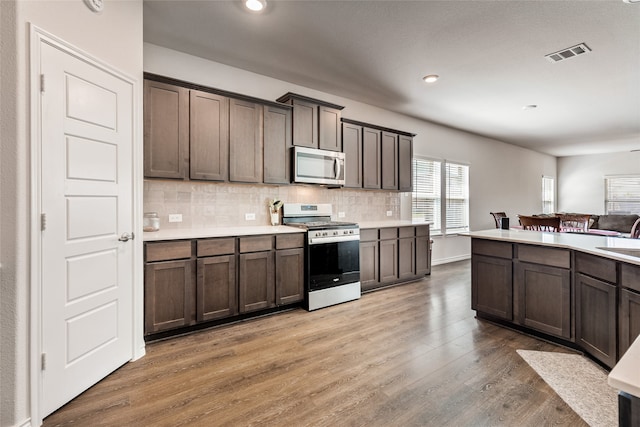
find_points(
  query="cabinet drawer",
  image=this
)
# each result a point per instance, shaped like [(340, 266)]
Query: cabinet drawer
[(289, 241), (369, 235), (492, 248), (630, 276), (406, 231), (213, 247), (422, 230), (546, 256), (164, 251), (388, 233), (256, 243), (594, 266)]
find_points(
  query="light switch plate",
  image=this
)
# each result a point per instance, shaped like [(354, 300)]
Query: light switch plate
[(341, 214), (389, 213), (175, 217), (249, 217)]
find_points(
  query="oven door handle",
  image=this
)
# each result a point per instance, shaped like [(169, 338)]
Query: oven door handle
[(332, 239)]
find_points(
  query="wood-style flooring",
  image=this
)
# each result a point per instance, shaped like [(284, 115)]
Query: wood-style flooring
[(410, 355)]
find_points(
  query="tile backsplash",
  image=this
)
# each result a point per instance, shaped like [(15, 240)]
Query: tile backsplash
[(208, 204)]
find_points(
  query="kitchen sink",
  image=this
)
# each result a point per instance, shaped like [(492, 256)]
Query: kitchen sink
[(624, 251)]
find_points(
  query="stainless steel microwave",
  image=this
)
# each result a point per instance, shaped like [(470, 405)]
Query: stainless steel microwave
[(314, 166)]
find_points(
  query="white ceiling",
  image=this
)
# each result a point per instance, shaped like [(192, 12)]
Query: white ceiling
[(489, 55)]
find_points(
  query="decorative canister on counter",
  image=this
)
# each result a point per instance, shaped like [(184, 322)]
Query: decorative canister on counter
[(151, 222)]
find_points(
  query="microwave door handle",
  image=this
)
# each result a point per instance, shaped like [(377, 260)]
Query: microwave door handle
[(336, 167)]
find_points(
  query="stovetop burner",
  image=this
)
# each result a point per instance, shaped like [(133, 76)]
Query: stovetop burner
[(312, 217), (321, 225)]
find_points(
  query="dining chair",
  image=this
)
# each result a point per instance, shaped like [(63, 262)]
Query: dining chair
[(497, 216), (574, 222), (551, 223), (635, 230)]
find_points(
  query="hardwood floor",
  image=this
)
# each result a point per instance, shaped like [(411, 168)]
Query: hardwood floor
[(411, 355)]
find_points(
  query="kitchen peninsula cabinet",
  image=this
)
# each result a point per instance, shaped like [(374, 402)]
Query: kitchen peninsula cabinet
[(492, 278), (391, 255), (316, 123), (277, 144), (245, 141), (169, 286), (166, 130), (629, 307)]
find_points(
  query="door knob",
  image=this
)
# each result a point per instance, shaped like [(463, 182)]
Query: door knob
[(126, 237)]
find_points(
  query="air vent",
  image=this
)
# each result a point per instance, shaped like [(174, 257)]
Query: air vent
[(570, 52)]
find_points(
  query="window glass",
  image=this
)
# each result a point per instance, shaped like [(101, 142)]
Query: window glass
[(457, 190), (548, 195), (426, 192), (622, 194)]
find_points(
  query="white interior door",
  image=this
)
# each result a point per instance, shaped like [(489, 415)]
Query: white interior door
[(86, 197)]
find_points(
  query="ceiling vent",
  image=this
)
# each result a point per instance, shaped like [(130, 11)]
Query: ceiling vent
[(561, 55)]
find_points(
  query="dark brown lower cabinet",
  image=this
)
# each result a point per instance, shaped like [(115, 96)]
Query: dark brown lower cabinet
[(492, 286), (629, 323), (543, 298), (169, 295), (388, 261), (406, 258), (369, 265), (289, 276), (596, 318), (256, 281), (216, 288), (423, 251)]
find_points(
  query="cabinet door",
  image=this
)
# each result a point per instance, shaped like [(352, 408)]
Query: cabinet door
[(543, 298), (245, 141), (289, 276), (423, 250), (596, 318), (629, 322), (166, 130), (389, 161), (256, 280), (329, 128), (169, 295), (277, 145), (352, 148), (371, 165), (305, 124), (405, 166), (209, 139), (492, 286), (368, 265), (388, 260), (406, 258), (216, 288)]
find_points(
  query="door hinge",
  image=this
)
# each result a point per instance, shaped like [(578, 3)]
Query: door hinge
[(42, 83), (43, 361), (43, 221)]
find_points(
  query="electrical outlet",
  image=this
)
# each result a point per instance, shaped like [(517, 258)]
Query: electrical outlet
[(249, 217), (389, 213), (341, 215), (175, 217)]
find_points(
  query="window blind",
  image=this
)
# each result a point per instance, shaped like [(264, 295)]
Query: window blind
[(622, 194), (548, 195), (426, 192), (457, 204)]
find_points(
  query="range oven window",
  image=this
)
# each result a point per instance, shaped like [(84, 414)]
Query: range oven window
[(333, 264)]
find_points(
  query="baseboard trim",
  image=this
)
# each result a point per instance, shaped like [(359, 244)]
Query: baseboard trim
[(450, 259)]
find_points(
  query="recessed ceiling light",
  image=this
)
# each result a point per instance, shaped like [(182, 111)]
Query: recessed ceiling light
[(255, 5), (530, 107), (431, 78)]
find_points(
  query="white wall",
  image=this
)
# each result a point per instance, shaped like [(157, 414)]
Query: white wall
[(581, 179), (114, 37), (503, 177)]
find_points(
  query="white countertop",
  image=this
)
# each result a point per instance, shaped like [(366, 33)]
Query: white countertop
[(392, 223), (581, 242), (201, 233), (625, 375)]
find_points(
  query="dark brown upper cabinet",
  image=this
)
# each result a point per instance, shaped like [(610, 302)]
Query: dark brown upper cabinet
[(389, 161), (209, 139), (352, 149), (371, 164), (316, 123), (166, 130), (277, 144), (245, 141), (405, 165)]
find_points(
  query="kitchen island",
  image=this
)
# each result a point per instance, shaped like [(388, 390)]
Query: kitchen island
[(580, 290)]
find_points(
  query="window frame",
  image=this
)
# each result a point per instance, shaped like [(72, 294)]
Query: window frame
[(548, 206), (634, 201)]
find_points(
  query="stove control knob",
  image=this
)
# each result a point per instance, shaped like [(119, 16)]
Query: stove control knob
[(335, 233), (324, 234)]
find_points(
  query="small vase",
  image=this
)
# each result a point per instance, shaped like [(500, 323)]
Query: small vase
[(275, 218)]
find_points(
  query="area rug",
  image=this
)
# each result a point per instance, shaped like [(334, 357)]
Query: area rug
[(579, 382)]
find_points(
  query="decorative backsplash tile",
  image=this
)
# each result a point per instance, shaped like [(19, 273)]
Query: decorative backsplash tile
[(209, 204)]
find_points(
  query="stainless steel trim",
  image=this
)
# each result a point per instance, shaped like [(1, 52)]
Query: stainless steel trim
[(333, 239), (298, 176), (334, 295)]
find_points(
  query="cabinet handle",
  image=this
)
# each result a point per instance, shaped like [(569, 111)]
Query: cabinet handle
[(126, 237)]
